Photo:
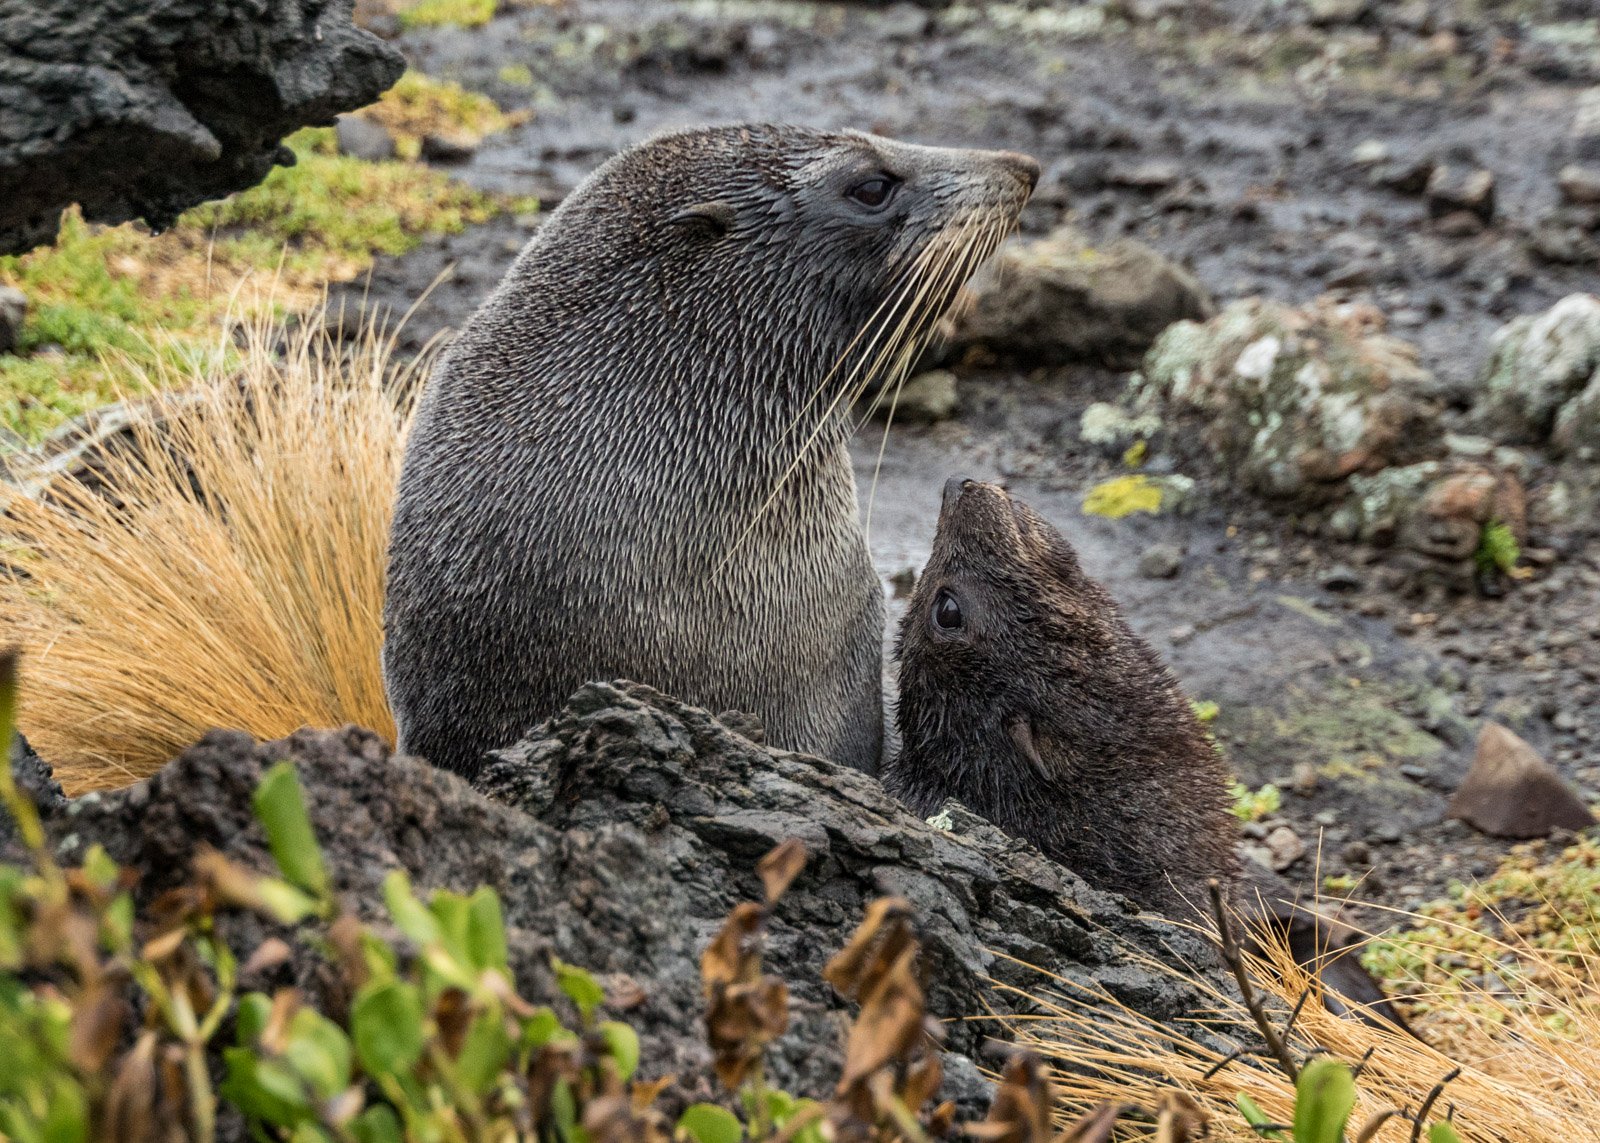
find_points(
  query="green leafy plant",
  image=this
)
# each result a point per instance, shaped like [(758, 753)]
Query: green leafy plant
[(1498, 550), (1325, 1097), (1253, 805)]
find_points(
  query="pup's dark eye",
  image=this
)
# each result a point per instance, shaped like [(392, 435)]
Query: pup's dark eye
[(873, 192), (946, 612)]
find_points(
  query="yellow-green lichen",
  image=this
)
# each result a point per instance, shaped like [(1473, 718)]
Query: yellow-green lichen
[(1498, 550), (418, 106), (1122, 496), (433, 13)]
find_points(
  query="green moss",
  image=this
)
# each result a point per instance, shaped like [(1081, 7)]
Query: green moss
[(102, 295), (432, 13), (516, 75), (1354, 731)]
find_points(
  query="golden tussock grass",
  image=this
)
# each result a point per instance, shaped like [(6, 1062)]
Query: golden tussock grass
[(1528, 1059), (227, 571)]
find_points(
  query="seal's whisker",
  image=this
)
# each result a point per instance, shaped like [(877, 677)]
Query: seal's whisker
[(891, 341), (874, 328), (954, 271), (969, 255), (870, 328)]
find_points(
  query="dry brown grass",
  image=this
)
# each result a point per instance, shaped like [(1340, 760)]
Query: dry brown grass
[(1529, 1061), (150, 612)]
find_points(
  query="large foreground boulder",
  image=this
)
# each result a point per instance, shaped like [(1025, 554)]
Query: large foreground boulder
[(637, 826), (141, 110)]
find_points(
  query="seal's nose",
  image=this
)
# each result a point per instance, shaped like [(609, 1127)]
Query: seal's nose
[(952, 492), (1024, 168)]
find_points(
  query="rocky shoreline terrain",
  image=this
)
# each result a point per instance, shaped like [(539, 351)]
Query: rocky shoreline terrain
[(1392, 196), (1299, 344)]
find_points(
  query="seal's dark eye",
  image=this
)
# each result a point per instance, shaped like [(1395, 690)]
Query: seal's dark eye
[(873, 192), (946, 612)]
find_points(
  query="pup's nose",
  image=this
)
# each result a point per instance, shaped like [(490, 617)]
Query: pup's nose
[(952, 492), (1024, 168)]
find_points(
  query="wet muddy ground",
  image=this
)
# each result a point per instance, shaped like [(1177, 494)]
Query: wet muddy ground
[(1222, 134)]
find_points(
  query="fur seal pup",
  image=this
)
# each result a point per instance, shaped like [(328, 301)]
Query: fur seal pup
[(633, 461), (1025, 695)]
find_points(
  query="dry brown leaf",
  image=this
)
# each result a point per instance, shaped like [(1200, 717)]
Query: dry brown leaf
[(733, 957), (270, 953), (228, 879), (1020, 1112), (883, 935), (452, 1014), (275, 1034), (741, 1020), (780, 867), (130, 1114), (890, 1025), (646, 1092), (1179, 1119), (1094, 1125), (623, 992), (158, 949), (99, 1015)]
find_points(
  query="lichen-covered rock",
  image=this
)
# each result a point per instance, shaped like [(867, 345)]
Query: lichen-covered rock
[(1577, 428), (637, 825), (1296, 400), (1062, 299), (1109, 426), (141, 110), (1542, 382), (1437, 512)]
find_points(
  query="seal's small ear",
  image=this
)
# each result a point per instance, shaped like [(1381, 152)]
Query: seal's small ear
[(1020, 731), (712, 219)]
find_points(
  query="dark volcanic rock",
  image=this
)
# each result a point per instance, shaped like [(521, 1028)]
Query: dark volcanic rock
[(33, 778), (643, 824), (142, 108)]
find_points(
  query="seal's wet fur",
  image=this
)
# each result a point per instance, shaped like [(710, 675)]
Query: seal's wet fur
[(632, 462), (1047, 714)]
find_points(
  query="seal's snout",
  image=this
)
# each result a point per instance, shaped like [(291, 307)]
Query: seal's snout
[(1023, 168), (952, 492)]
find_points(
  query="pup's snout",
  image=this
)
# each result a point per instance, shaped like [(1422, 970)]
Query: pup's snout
[(952, 492)]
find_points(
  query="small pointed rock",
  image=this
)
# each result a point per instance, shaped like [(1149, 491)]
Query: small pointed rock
[(1513, 792)]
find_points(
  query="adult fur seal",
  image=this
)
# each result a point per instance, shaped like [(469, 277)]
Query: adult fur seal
[(632, 462), (1025, 695)]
